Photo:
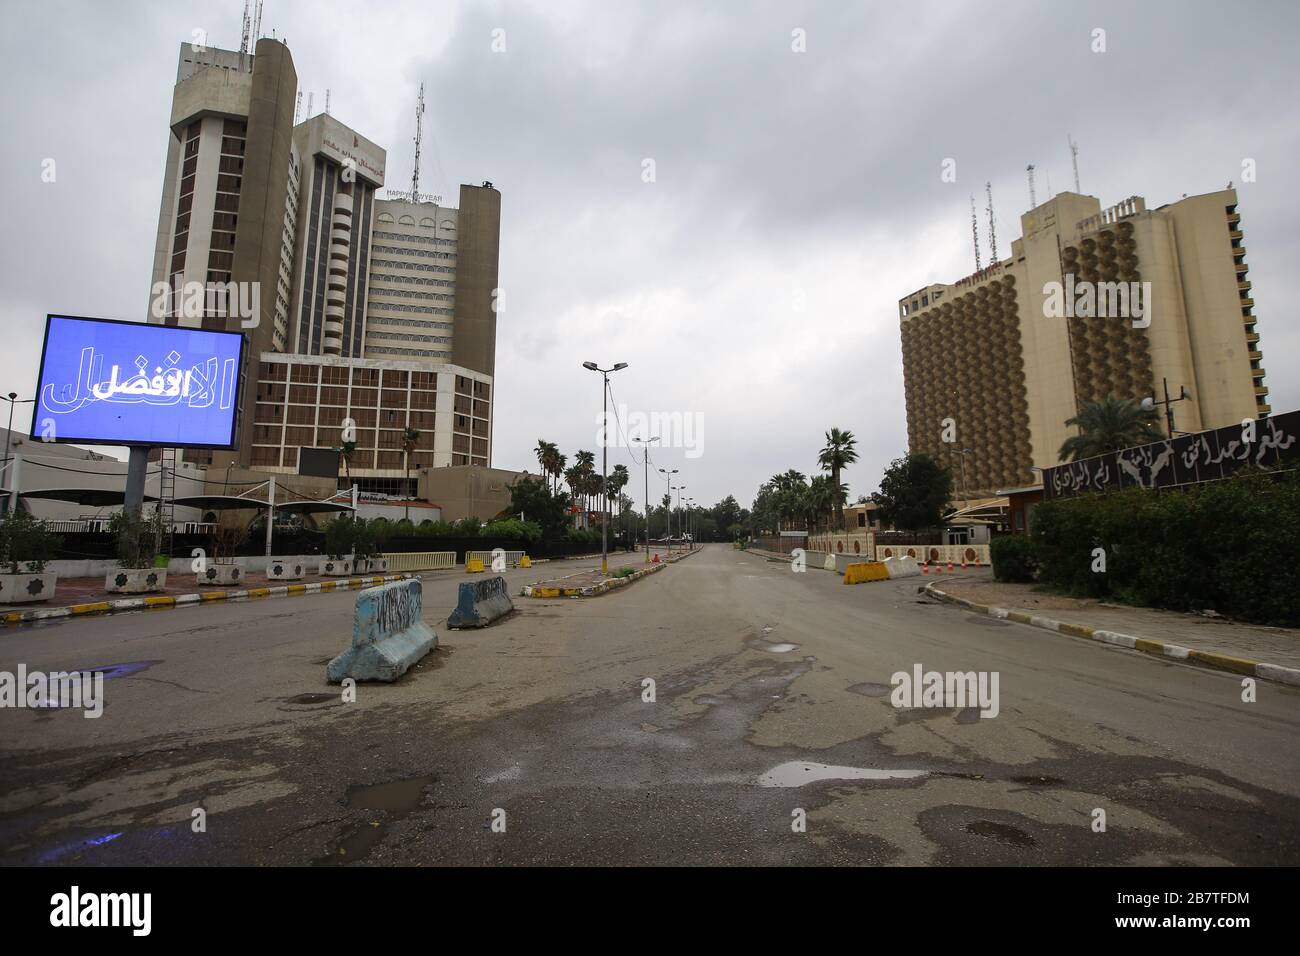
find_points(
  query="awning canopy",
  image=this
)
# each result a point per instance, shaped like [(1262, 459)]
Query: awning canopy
[(313, 507), (220, 503), (91, 497)]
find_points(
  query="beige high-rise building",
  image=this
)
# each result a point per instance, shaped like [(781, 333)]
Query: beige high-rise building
[(995, 363)]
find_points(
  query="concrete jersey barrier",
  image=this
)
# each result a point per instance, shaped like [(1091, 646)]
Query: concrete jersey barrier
[(388, 634), (901, 567), (479, 603), (859, 572)]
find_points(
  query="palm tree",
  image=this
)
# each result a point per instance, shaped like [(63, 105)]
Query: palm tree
[(557, 470), (1110, 425), (551, 462), (618, 479), (818, 501), (839, 453), (585, 462), (410, 439), (348, 449)]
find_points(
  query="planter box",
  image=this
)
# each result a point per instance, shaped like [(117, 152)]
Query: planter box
[(135, 581), (336, 567), (27, 588), (286, 569), (220, 575), (372, 566)]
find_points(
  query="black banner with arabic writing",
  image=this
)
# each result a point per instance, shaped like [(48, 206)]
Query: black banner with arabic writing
[(1204, 456)]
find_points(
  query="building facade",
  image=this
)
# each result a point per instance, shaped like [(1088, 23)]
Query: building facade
[(381, 312), (996, 363)]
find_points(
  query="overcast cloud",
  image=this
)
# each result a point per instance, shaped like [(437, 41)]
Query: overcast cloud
[(781, 178)]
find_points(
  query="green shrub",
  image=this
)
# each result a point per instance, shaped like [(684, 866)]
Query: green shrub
[(512, 529), (468, 527), (1014, 558), (25, 540), (137, 538), (1224, 546)]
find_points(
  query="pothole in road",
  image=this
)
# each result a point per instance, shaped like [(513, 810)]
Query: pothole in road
[(1001, 832), (396, 799), (871, 690), (780, 648), (1038, 781), (798, 773), (314, 699)]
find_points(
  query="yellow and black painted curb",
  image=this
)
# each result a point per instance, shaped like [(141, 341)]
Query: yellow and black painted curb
[(153, 602), (1222, 662)]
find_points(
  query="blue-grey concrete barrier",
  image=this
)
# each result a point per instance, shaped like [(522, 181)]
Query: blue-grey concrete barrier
[(388, 634), (479, 603)]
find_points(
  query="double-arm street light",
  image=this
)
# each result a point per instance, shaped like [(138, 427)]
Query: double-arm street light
[(668, 509), (13, 399), (604, 458), (645, 460)]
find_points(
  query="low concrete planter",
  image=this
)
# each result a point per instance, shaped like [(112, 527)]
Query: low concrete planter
[(135, 581), (372, 566), (286, 569), (27, 588), (220, 575), (336, 567)]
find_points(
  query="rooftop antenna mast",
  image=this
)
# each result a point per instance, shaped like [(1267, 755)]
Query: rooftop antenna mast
[(297, 108), (1074, 158), (975, 234), (1033, 199), (327, 101), (993, 236), (419, 131), (245, 26), (310, 97), (257, 25)]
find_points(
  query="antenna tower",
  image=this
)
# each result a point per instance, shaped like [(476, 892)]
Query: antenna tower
[(244, 27), (419, 132), (975, 234), (1033, 199), (297, 108), (1074, 158), (993, 236)]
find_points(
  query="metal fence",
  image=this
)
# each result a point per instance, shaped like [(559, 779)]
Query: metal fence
[(512, 557), (420, 560)]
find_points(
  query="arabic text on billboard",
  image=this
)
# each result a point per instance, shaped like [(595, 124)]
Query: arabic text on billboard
[(1271, 443), (122, 383)]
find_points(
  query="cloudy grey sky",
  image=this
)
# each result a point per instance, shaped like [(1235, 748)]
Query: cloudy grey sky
[(796, 196)]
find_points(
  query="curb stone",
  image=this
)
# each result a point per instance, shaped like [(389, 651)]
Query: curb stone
[(120, 605), (595, 590), (1222, 662)]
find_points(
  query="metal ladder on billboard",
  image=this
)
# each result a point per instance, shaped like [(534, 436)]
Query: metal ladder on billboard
[(167, 499)]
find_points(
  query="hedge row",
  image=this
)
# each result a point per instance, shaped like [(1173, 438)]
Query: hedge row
[(1229, 546)]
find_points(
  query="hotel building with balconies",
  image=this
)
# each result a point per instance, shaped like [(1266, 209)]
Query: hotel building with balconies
[(989, 369)]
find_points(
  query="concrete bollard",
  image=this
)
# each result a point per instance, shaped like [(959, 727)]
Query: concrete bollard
[(388, 634), (479, 603), (902, 567)]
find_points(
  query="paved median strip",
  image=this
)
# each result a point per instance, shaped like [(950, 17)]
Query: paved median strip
[(557, 589), (1223, 662), (38, 615)]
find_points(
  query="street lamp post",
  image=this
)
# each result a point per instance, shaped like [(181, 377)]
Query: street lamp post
[(12, 399), (604, 458), (668, 512), (680, 489), (645, 460)]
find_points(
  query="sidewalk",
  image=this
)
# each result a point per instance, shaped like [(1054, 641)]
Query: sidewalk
[(1214, 642)]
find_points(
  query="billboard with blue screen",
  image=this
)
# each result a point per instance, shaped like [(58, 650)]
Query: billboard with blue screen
[(129, 383)]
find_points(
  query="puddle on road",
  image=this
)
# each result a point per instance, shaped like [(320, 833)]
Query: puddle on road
[(1001, 832), (315, 699), (797, 773), (119, 670), (780, 648), (395, 800)]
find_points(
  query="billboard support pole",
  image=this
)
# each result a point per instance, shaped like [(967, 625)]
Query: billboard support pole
[(270, 513), (136, 467), (15, 481)]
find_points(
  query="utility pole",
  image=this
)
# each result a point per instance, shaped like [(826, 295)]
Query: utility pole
[(645, 461)]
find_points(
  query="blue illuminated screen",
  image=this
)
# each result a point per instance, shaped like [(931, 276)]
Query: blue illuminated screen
[(119, 383)]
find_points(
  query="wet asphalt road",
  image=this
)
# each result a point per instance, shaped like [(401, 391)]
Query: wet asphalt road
[(539, 725)]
